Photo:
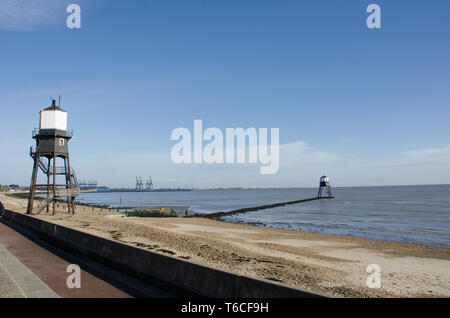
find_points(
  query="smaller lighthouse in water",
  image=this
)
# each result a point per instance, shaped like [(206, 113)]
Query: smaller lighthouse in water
[(324, 183)]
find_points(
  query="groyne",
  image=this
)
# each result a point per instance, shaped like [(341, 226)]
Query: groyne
[(217, 215)]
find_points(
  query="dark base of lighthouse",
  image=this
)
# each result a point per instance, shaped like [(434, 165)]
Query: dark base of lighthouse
[(50, 146), (325, 190)]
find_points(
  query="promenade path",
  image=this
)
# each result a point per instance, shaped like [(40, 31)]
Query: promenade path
[(28, 270)]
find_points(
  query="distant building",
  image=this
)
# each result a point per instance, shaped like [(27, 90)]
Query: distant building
[(92, 186), (13, 187), (88, 185)]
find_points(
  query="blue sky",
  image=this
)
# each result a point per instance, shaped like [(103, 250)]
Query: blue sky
[(364, 106)]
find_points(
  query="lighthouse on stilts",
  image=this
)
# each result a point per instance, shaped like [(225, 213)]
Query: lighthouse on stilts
[(324, 183), (52, 139)]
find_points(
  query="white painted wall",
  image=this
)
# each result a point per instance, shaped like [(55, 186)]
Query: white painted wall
[(53, 119)]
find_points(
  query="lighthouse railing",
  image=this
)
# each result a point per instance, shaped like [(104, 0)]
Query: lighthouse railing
[(41, 132)]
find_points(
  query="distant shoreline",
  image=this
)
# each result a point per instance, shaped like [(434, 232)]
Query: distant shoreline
[(239, 188), (270, 188)]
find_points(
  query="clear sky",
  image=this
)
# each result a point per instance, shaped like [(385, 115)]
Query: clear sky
[(363, 106)]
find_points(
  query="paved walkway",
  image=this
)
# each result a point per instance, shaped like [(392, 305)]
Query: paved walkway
[(29, 270), (17, 281)]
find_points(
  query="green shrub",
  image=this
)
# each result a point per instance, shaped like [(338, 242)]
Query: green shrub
[(153, 213)]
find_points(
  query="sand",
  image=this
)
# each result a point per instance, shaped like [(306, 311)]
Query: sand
[(332, 264)]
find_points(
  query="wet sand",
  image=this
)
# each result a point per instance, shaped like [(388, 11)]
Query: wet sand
[(320, 262)]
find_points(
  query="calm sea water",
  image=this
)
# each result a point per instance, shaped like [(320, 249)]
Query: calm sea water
[(413, 214)]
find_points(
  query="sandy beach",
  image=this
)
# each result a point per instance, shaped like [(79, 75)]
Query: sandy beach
[(331, 264)]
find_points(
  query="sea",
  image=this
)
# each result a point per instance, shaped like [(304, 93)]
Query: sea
[(411, 214)]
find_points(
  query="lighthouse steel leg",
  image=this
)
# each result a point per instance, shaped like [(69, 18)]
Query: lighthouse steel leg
[(48, 183), (33, 184), (54, 184), (67, 175), (72, 199)]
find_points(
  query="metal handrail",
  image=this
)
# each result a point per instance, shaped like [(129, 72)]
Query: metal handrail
[(59, 170), (64, 133)]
